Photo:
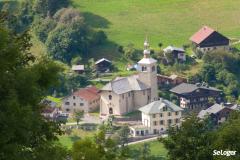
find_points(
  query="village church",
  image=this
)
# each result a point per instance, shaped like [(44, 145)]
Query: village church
[(126, 94)]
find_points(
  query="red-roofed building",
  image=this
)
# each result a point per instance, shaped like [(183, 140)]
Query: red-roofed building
[(207, 39), (86, 99)]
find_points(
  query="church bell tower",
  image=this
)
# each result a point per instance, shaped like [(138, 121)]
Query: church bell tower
[(147, 68)]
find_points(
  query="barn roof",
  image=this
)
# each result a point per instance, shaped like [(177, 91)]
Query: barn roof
[(101, 60), (78, 67), (214, 109), (202, 34), (88, 93), (172, 48), (188, 88)]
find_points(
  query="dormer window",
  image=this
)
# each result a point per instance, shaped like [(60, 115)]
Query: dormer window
[(164, 108), (110, 97)]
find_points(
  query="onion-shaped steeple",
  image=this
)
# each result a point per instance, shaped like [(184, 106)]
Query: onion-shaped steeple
[(146, 51)]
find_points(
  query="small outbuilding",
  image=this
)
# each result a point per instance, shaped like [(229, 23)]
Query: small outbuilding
[(178, 53), (78, 68), (103, 65)]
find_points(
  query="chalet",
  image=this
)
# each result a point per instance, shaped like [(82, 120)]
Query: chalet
[(157, 117), (218, 113), (195, 97), (171, 80), (78, 68), (50, 110), (178, 53), (86, 99), (207, 39), (103, 65)]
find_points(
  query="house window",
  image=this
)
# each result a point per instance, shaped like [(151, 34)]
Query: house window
[(74, 104), (177, 120), (154, 131), (169, 121), (154, 115), (176, 113), (144, 68), (110, 97), (161, 115), (169, 114), (129, 94), (153, 68), (164, 108), (67, 103), (110, 111), (137, 132), (154, 123), (67, 110), (81, 104), (162, 122), (74, 97)]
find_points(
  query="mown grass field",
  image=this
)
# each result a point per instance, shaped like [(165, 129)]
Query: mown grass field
[(157, 149), (169, 22)]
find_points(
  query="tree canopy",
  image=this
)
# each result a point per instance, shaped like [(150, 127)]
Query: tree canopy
[(197, 139), (24, 133)]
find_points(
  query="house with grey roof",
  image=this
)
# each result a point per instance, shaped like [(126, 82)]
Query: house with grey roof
[(126, 94), (195, 97), (177, 53), (157, 117), (218, 113)]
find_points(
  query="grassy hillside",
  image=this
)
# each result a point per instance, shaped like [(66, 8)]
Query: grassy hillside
[(169, 22)]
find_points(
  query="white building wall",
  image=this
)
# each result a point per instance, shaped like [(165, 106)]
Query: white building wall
[(74, 104), (106, 103), (161, 127)]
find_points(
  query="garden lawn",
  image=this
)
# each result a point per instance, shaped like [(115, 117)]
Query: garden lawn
[(157, 148)]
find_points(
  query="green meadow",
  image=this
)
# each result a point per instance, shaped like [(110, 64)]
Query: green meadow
[(170, 22)]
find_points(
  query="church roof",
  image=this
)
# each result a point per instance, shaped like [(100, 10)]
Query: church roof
[(147, 61), (125, 84), (157, 106)]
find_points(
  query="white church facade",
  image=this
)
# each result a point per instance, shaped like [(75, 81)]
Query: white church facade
[(126, 94)]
